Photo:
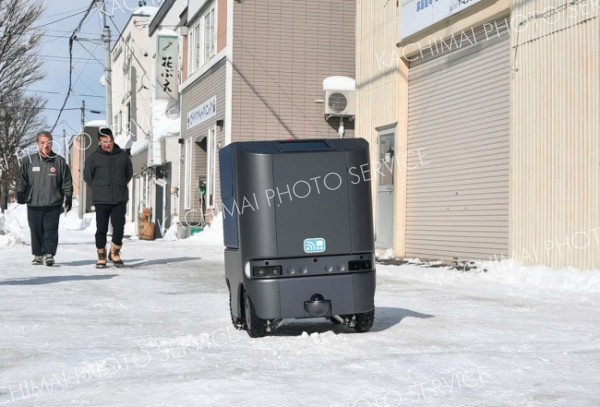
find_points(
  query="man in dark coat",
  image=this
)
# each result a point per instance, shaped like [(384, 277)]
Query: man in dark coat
[(46, 186), (108, 171)]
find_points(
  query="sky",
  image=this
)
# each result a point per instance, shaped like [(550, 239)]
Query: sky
[(158, 333), (59, 20)]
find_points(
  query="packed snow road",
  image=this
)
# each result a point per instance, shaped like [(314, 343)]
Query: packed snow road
[(158, 333)]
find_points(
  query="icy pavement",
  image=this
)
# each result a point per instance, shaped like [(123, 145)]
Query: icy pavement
[(158, 333)]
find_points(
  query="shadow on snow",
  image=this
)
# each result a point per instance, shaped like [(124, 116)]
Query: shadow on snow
[(385, 318), (55, 279)]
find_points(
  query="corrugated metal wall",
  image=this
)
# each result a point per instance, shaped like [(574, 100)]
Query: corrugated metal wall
[(282, 51), (458, 136), (381, 83), (555, 204)]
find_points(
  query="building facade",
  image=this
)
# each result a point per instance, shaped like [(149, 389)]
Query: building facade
[(131, 101), (482, 117), (253, 70)]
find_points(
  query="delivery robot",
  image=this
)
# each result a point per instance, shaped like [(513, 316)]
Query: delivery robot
[(298, 231)]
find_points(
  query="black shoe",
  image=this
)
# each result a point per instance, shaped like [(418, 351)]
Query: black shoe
[(49, 260), (37, 261)]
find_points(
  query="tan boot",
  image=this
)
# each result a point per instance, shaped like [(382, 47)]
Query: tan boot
[(101, 264), (114, 255)]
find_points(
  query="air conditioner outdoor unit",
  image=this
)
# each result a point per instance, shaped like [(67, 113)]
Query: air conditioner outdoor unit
[(339, 97), (339, 103)]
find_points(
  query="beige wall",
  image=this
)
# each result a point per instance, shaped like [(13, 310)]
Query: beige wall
[(382, 92), (555, 202), (382, 81), (133, 84), (555, 119)]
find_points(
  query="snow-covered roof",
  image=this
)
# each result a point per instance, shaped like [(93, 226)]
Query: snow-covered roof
[(162, 124), (96, 123), (339, 83), (145, 11), (139, 146), (124, 141), (166, 31)]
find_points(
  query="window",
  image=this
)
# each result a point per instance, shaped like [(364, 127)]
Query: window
[(195, 48), (209, 34), (127, 64), (118, 123), (202, 39), (187, 162), (131, 130)]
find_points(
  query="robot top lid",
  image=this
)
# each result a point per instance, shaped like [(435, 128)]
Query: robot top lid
[(278, 194), (303, 145)]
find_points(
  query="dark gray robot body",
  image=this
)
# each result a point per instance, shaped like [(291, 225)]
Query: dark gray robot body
[(298, 232)]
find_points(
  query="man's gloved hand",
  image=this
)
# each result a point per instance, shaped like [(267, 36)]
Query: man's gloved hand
[(20, 198), (68, 203)]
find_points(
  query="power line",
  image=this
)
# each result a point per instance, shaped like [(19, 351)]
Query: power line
[(53, 108), (62, 14), (82, 59), (91, 54), (130, 48), (71, 39), (63, 93), (59, 20), (82, 70), (68, 31)]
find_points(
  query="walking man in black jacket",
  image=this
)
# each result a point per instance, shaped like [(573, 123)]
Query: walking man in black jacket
[(46, 186), (108, 171)]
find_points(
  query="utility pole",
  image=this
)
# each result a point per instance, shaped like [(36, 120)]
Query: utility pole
[(82, 147), (66, 147), (107, 65)]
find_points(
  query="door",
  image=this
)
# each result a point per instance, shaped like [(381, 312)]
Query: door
[(385, 190)]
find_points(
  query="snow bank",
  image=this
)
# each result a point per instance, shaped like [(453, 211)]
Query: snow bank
[(139, 146), (212, 233), (14, 228), (541, 277), (163, 124), (14, 231)]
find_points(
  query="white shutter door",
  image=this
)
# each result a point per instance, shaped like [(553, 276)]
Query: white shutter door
[(458, 152)]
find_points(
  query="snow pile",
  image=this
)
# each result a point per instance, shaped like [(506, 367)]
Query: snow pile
[(145, 11), (124, 141), (541, 277), (388, 255), (163, 123), (339, 83), (171, 233), (138, 146), (130, 229), (14, 229), (96, 123), (212, 233), (71, 220)]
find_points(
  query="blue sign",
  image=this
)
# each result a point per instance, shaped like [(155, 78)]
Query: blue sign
[(314, 245)]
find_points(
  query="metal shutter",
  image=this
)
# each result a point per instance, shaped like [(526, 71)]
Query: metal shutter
[(458, 152)]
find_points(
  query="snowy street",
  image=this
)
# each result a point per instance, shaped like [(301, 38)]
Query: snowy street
[(158, 333)]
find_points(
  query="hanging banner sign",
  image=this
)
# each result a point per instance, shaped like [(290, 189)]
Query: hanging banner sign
[(167, 67)]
